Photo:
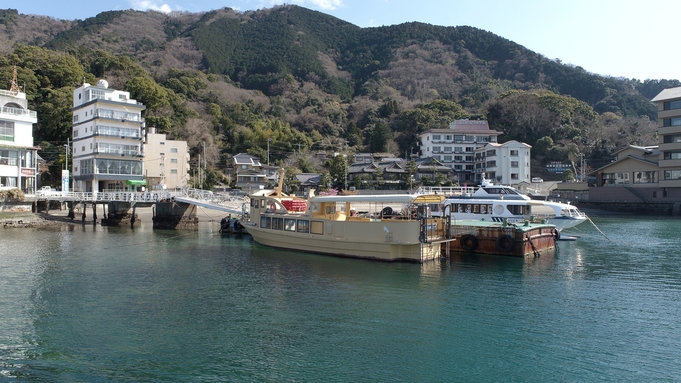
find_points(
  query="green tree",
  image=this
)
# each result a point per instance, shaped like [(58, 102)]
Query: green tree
[(338, 171), (148, 92), (410, 170)]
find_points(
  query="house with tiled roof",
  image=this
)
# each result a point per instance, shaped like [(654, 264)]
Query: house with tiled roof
[(247, 172)]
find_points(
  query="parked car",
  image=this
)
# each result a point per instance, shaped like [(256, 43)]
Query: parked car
[(46, 191), (537, 180)]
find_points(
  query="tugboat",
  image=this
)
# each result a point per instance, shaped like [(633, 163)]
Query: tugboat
[(229, 225)]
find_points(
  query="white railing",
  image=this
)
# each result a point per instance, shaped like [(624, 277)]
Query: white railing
[(203, 196)]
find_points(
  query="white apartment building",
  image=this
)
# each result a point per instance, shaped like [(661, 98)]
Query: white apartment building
[(107, 139), (166, 162), (455, 147), (507, 163), (18, 164)]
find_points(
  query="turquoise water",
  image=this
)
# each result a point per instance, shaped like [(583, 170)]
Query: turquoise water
[(96, 304)]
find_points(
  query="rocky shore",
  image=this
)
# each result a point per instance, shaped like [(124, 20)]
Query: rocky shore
[(33, 220)]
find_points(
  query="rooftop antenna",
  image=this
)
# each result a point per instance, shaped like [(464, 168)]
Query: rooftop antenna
[(14, 88)]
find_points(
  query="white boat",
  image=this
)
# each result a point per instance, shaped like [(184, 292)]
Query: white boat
[(382, 227), (497, 203)]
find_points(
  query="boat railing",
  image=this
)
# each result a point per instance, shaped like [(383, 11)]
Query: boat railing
[(447, 190)]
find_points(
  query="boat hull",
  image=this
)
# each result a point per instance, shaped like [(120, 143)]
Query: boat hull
[(508, 240), (389, 241)]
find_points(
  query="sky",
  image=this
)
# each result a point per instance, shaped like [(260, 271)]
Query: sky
[(617, 38)]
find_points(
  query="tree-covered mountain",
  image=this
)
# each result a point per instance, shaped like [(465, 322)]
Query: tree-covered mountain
[(304, 81)]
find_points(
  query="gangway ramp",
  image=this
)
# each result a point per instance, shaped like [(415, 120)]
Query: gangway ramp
[(233, 207)]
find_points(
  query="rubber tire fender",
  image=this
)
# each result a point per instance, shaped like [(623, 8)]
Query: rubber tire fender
[(468, 242), (505, 243)]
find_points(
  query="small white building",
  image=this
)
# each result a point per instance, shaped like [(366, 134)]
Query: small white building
[(18, 164), (107, 139), (507, 163), (166, 162)]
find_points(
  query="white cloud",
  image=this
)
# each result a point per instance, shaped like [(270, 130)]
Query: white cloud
[(327, 5), (153, 5)]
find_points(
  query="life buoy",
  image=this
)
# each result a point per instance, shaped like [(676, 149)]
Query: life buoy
[(468, 242), (272, 207), (505, 243)]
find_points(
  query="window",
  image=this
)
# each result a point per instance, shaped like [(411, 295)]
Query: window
[(672, 174), (266, 222), (514, 152), (672, 105), (173, 171), (668, 139), (470, 149), (436, 137), (173, 150), (645, 177), (458, 158), (6, 131), (448, 137), (514, 164), (317, 227), (75, 132), (162, 143), (173, 160), (676, 155), (448, 159), (491, 152), (290, 224), (676, 121), (75, 118), (458, 137), (469, 138), (303, 226), (278, 223), (514, 176), (436, 149), (448, 149)]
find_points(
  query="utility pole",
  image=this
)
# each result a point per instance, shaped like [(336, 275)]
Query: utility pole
[(204, 163), (66, 147), (268, 151), (345, 187), (199, 166)]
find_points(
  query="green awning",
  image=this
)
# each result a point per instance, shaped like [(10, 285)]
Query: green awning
[(136, 182)]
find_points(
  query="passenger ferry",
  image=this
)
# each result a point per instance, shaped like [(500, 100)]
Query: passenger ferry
[(382, 227), (498, 203)]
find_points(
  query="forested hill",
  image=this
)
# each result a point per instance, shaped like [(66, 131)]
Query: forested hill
[(295, 75)]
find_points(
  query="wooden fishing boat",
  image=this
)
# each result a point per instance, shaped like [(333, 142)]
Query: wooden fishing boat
[(382, 227)]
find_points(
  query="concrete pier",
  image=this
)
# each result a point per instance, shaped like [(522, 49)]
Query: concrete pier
[(120, 214), (175, 215)]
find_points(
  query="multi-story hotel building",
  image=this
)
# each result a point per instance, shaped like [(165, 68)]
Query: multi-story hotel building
[(507, 163), (669, 131), (455, 147), (166, 162), (17, 155), (107, 139)]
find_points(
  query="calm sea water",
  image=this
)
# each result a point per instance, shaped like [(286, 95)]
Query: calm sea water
[(95, 304)]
